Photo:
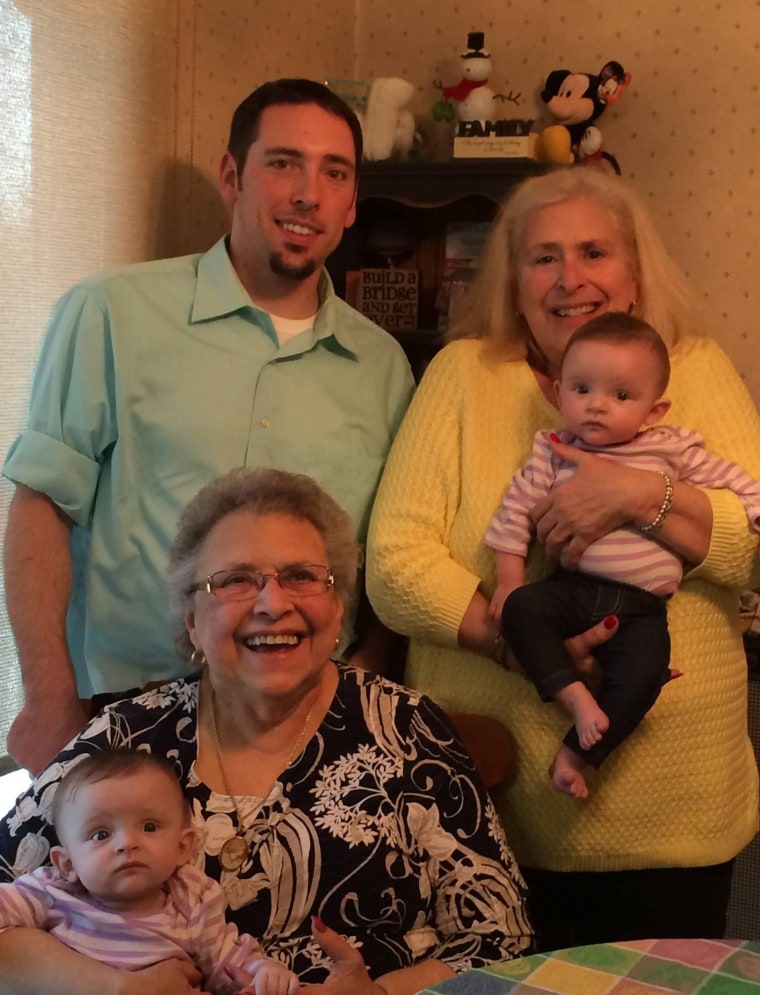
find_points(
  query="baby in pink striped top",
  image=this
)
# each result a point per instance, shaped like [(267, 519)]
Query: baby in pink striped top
[(120, 889), (613, 374)]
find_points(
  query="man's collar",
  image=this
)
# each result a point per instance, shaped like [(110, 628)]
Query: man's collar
[(329, 324), (219, 292)]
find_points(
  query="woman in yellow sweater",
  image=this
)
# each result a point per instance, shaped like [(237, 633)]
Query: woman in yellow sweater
[(650, 852)]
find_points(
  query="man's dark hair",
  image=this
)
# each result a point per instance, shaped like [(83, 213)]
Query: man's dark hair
[(244, 129), (619, 326)]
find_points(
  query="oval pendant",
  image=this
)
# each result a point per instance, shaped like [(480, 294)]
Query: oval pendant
[(233, 853)]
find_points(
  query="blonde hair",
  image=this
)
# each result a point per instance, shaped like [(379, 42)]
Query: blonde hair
[(489, 309)]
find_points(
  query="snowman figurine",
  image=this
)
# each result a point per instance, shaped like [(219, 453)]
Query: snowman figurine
[(474, 101)]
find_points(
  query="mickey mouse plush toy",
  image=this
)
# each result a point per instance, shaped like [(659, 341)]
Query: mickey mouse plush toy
[(576, 100)]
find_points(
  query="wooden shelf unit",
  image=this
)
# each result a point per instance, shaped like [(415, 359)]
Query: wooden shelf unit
[(409, 204)]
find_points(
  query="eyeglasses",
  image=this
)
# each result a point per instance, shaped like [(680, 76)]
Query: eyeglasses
[(300, 580)]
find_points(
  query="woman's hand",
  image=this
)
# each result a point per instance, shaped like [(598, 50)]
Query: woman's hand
[(168, 977), (33, 961), (478, 632), (603, 496), (348, 974), (600, 497), (581, 649)]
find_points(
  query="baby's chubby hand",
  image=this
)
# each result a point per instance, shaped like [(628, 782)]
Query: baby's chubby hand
[(265, 978)]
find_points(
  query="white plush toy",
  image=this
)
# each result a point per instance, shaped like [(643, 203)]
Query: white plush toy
[(388, 123)]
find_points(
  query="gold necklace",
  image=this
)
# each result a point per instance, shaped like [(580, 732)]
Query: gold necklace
[(235, 849)]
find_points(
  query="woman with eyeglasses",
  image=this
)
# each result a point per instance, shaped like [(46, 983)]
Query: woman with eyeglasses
[(340, 812)]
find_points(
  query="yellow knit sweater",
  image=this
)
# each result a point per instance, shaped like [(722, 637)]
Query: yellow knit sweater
[(683, 789)]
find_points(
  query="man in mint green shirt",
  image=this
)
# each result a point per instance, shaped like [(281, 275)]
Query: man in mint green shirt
[(155, 378)]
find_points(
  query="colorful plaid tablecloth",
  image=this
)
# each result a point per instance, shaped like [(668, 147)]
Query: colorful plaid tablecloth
[(641, 967)]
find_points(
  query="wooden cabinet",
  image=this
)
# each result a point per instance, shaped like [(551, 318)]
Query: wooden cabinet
[(403, 209)]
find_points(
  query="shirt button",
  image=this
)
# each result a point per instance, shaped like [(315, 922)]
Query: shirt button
[(265, 423)]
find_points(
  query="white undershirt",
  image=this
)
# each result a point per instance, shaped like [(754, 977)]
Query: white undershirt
[(288, 328)]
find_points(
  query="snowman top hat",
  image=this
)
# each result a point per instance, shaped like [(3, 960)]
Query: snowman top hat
[(475, 41)]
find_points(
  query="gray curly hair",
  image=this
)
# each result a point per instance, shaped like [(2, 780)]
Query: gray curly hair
[(262, 491)]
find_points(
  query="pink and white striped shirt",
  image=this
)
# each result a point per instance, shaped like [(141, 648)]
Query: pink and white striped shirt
[(190, 926), (626, 554)]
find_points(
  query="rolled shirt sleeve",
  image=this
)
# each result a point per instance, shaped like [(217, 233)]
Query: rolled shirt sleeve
[(72, 421)]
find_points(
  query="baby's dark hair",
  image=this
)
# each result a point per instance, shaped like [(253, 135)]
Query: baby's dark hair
[(108, 764), (619, 326)]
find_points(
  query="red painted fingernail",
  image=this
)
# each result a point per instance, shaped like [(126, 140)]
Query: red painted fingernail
[(554, 437), (318, 924), (610, 622)]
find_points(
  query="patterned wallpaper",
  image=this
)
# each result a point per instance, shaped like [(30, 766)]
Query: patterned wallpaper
[(685, 131)]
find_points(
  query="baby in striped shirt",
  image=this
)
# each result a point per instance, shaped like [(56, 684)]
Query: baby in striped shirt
[(120, 889), (613, 374)]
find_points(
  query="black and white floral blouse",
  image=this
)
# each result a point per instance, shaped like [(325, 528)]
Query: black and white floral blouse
[(381, 828)]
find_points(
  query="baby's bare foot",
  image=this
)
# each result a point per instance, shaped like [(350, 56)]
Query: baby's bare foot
[(591, 723), (566, 775)]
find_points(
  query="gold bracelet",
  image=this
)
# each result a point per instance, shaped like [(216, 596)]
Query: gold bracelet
[(667, 503)]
